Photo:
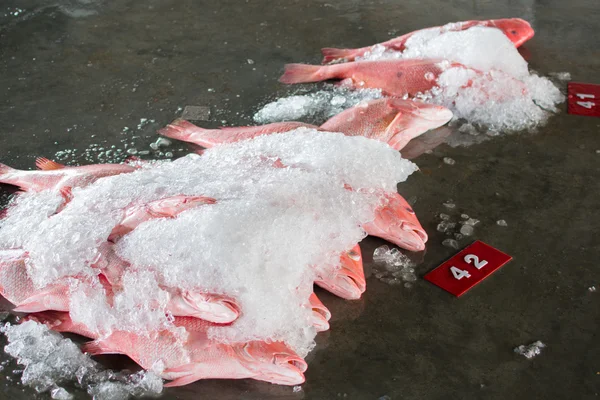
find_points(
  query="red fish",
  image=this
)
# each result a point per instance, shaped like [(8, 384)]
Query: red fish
[(199, 357), (517, 30), (168, 207), (391, 120), (399, 77), (58, 176), (186, 131), (212, 307), (346, 280), (396, 222), (321, 314)]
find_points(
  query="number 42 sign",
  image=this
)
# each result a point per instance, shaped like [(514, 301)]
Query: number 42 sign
[(467, 268)]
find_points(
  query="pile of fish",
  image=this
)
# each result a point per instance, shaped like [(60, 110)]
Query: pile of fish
[(204, 267)]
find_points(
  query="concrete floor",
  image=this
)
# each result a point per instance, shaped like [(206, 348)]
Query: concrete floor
[(76, 73)]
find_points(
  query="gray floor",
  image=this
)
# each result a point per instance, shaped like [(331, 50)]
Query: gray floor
[(77, 73)]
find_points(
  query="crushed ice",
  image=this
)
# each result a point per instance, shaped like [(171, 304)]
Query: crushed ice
[(531, 350), (393, 267), (317, 106), (263, 229), (50, 360)]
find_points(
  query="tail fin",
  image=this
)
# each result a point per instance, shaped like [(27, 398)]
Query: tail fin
[(330, 54), (300, 73), (180, 129), (5, 169)]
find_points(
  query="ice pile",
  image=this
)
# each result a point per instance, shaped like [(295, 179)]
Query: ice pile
[(49, 360), (285, 203), (314, 107), (456, 228), (393, 267)]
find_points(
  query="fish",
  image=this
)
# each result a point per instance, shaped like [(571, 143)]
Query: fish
[(321, 314), (198, 357), (346, 280), (17, 287), (168, 207), (516, 29), (211, 307), (396, 77), (52, 175), (181, 129), (396, 222), (390, 120), (428, 141)]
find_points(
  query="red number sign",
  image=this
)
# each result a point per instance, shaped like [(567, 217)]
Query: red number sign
[(467, 268), (584, 99)]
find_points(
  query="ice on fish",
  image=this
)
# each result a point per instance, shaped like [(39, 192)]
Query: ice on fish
[(50, 360), (268, 229), (480, 48), (531, 350), (317, 106)]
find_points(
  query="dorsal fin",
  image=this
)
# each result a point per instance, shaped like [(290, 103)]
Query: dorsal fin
[(47, 165)]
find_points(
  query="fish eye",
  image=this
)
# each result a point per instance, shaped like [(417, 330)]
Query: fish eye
[(513, 32), (410, 210)]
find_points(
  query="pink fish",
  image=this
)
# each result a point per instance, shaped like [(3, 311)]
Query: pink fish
[(57, 176), (199, 357), (399, 77), (391, 120), (186, 131), (346, 280), (321, 314), (168, 207), (211, 307), (517, 30), (16, 286), (396, 222)]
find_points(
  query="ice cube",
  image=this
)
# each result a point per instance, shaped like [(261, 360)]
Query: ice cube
[(466, 230), (449, 161), (501, 222), (450, 243), (531, 350)]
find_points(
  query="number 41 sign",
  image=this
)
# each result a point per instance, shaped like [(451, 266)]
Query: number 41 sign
[(467, 268), (583, 99)]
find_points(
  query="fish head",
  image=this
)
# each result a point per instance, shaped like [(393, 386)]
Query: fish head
[(414, 118), (171, 206), (399, 221), (211, 307), (516, 29), (351, 266), (273, 362)]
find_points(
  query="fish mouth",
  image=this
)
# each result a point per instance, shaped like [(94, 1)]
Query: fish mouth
[(410, 238), (437, 115), (344, 286), (319, 321), (290, 370), (224, 311)]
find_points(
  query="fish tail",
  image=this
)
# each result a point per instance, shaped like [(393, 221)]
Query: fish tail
[(5, 170), (331, 54), (183, 130), (301, 73)]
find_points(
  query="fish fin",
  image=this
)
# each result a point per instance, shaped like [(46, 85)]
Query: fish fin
[(300, 73), (67, 195), (47, 165), (5, 169), (180, 129), (98, 347), (188, 378), (331, 54), (31, 306)]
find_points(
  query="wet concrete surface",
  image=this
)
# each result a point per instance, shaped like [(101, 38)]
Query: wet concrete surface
[(73, 74)]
